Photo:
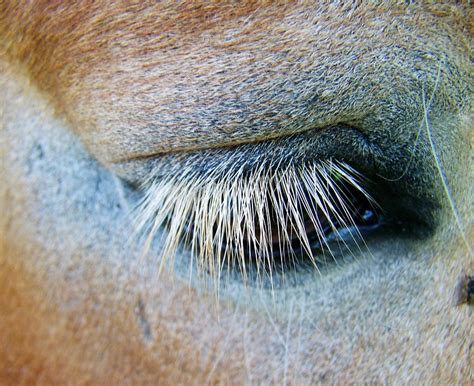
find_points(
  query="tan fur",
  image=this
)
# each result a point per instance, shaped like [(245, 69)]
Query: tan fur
[(94, 94)]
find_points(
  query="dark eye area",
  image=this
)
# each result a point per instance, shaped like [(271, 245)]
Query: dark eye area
[(264, 208), (300, 227)]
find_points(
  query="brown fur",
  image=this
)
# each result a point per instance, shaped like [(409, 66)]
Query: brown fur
[(94, 90)]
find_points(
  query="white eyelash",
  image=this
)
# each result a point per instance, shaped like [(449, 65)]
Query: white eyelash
[(218, 218)]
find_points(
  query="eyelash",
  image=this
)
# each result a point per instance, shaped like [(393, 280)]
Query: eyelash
[(231, 220)]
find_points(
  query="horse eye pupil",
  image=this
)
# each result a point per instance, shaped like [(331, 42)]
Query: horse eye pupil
[(369, 216)]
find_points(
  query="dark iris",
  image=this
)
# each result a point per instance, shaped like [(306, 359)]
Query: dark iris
[(343, 218), (348, 224)]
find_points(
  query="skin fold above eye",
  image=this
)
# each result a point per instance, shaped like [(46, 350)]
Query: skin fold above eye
[(226, 75)]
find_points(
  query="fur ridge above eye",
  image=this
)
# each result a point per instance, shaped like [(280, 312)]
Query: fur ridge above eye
[(255, 220)]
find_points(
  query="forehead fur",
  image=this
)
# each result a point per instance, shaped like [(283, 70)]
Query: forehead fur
[(145, 79), (186, 75)]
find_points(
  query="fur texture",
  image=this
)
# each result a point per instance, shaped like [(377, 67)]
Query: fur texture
[(97, 97)]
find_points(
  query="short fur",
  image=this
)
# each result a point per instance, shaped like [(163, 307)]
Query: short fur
[(95, 96)]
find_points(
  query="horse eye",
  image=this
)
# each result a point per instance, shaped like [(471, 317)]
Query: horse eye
[(267, 208), (263, 220), (307, 225)]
